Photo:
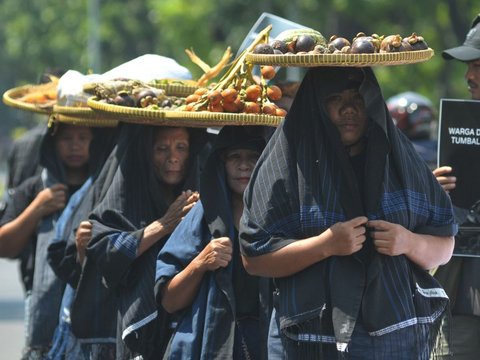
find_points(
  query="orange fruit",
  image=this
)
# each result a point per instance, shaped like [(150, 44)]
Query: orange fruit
[(268, 72), (201, 91), (239, 103), (214, 97), (274, 93), (251, 107), (215, 107), (230, 107), (253, 92), (192, 98), (269, 109), (229, 95)]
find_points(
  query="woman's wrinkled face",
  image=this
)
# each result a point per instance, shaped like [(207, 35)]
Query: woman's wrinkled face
[(171, 149), (72, 144), (347, 112), (239, 164)]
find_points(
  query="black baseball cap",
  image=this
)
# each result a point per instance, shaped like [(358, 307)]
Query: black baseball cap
[(470, 50)]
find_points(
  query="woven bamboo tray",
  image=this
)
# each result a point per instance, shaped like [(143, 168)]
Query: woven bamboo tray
[(180, 118), (222, 118), (82, 116), (177, 88), (81, 121), (353, 60), (11, 98)]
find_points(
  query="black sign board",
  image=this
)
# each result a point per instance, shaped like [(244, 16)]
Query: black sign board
[(459, 147)]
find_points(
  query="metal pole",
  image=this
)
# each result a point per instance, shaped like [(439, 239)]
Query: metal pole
[(94, 55)]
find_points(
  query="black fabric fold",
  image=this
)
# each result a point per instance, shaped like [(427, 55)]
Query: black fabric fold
[(304, 183)]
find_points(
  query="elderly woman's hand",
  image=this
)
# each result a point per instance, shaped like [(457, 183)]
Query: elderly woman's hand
[(217, 253), (178, 209)]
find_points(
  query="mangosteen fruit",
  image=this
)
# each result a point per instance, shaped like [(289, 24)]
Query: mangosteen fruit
[(362, 45), (124, 99), (279, 45), (304, 43), (417, 42), (263, 49), (338, 42)]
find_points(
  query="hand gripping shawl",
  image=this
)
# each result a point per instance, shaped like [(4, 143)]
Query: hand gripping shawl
[(47, 288), (62, 257), (64, 344), (206, 329), (134, 200), (304, 183)]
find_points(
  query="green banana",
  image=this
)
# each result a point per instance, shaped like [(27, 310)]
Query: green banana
[(289, 35)]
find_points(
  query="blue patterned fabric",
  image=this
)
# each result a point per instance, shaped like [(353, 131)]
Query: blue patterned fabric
[(204, 327), (64, 343), (304, 183), (209, 328), (134, 200)]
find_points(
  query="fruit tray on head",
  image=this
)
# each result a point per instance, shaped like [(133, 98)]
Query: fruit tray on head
[(202, 119), (308, 48), (172, 87), (312, 60), (35, 98), (81, 116)]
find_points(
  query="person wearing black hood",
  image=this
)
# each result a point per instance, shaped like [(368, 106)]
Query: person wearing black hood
[(345, 216), (31, 215), (200, 276), (152, 190)]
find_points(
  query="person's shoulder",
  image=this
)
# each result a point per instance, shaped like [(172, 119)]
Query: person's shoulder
[(31, 185)]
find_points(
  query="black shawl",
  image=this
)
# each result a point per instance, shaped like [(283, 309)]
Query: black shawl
[(93, 311), (62, 252), (206, 329), (47, 288), (304, 183), (134, 200)]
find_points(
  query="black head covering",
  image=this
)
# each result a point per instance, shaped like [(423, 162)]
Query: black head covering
[(135, 199), (62, 252), (304, 183), (213, 180), (47, 289), (207, 328), (93, 311)]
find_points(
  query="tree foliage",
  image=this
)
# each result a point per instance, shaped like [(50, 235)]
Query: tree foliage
[(42, 34)]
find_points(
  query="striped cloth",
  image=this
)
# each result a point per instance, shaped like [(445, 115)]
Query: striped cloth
[(134, 200), (207, 329), (304, 183)]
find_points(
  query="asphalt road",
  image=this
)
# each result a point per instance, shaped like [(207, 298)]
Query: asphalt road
[(11, 311)]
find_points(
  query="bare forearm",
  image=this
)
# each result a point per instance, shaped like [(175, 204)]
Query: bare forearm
[(288, 260), (153, 232), (430, 251), (14, 236), (180, 292)]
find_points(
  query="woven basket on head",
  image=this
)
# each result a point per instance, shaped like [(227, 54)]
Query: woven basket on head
[(180, 118), (353, 60), (81, 116), (15, 97), (180, 88)]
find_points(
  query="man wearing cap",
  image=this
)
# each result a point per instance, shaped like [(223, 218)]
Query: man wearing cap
[(459, 276)]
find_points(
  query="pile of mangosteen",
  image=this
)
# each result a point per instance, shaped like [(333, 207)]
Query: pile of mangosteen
[(360, 44)]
